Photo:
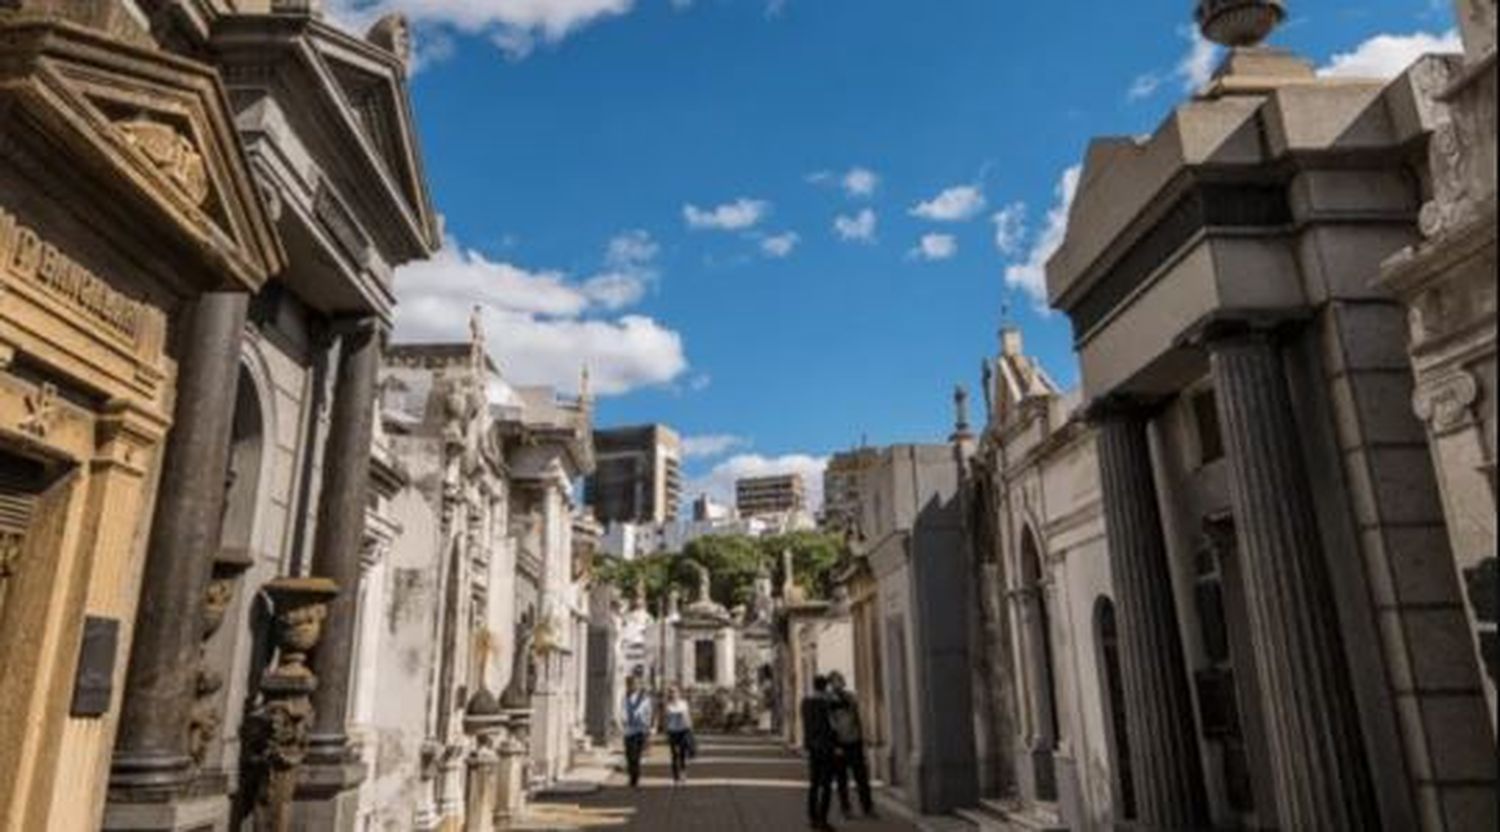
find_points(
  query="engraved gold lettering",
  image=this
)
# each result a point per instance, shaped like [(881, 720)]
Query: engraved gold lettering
[(24, 254), (27, 253)]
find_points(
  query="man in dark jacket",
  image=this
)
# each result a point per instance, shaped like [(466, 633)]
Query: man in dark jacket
[(848, 732), (822, 748)]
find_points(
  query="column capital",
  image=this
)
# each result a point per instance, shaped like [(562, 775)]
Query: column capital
[(1235, 324)]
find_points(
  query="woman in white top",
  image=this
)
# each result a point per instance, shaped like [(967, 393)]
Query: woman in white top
[(679, 722)]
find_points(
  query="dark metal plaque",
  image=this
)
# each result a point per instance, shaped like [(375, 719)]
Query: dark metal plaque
[(93, 687)]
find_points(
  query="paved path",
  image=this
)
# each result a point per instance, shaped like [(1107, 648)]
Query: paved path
[(736, 784)]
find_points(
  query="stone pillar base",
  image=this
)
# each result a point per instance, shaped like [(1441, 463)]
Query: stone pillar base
[(328, 796), (199, 814)]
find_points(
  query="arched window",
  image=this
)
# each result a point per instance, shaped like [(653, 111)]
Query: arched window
[(1107, 637)]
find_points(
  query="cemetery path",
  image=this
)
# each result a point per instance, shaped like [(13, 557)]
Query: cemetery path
[(736, 784)]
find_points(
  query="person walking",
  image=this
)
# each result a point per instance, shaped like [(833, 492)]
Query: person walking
[(849, 733), (679, 719), (821, 747), (639, 717)]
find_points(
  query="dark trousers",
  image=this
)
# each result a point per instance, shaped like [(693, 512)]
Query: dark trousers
[(821, 768), (852, 761), (678, 741), (635, 745)]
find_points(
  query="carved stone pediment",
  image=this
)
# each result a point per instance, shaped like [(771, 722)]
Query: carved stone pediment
[(148, 129), (357, 90)]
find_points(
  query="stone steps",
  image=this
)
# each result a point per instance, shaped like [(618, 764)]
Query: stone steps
[(999, 816)]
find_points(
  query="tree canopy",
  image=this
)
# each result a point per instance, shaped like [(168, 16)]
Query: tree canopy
[(733, 562)]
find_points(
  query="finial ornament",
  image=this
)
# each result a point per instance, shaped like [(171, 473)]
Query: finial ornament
[(1239, 23)]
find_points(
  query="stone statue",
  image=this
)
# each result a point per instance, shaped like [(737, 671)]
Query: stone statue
[(522, 682), (393, 34), (705, 583)]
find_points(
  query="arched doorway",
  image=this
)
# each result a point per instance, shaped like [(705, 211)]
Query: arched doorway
[(1107, 637)]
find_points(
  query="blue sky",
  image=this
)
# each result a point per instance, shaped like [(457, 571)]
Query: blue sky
[(776, 226)]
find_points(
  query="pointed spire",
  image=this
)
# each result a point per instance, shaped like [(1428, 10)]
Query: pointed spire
[(961, 431)]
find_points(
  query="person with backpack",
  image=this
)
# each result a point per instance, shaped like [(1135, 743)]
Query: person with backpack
[(848, 731)]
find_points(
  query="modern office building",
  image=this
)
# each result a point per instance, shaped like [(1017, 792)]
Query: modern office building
[(639, 475)]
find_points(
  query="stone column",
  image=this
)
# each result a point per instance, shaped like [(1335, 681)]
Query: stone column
[(1163, 738), (1311, 720), (152, 760), (331, 769)]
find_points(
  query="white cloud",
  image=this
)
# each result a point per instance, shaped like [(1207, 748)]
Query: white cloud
[(779, 246), (739, 215), (712, 445), (1030, 275), (857, 182), (1010, 228), (935, 247), (1197, 67), (513, 25), (861, 182), (1144, 86), (719, 482), (543, 327), (858, 228), (963, 202), (1194, 69), (1386, 56), (632, 249)]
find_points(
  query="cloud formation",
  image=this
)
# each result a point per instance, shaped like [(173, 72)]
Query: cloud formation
[(1030, 275), (935, 247), (515, 26), (740, 215), (543, 327), (1010, 228), (956, 204), (857, 228), (1386, 56), (780, 246)]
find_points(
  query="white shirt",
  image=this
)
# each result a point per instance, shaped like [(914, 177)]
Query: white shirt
[(679, 716)]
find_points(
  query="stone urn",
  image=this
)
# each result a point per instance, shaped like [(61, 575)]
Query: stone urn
[(1237, 23), (300, 607)]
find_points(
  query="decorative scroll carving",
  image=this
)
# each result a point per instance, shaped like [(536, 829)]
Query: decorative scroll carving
[(172, 153), (1446, 402)]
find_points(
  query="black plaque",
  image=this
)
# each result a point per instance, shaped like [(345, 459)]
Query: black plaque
[(93, 687)]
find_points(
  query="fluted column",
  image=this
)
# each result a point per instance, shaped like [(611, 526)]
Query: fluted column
[(152, 753), (1163, 738), (341, 523), (1310, 716)]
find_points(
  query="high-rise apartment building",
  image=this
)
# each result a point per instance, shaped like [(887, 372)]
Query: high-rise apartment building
[(639, 475), (778, 494)]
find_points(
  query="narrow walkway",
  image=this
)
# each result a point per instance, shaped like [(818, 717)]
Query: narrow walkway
[(737, 784)]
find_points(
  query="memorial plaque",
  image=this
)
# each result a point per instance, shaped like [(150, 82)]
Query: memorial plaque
[(93, 687)]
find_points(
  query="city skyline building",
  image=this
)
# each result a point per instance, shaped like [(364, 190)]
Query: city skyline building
[(639, 475)]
